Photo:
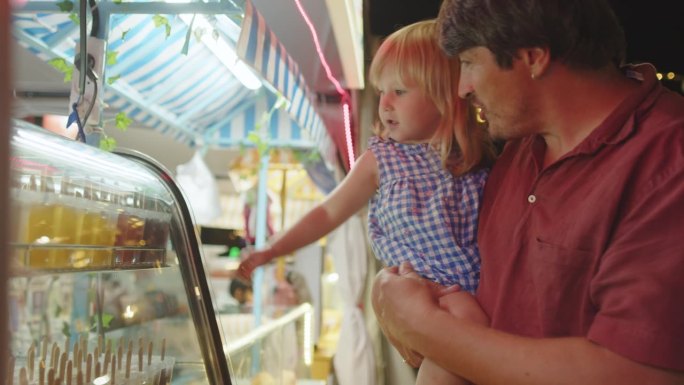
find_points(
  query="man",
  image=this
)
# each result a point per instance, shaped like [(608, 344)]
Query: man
[(580, 229)]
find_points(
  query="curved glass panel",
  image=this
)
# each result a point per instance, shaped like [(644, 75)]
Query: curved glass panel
[(106, 282)]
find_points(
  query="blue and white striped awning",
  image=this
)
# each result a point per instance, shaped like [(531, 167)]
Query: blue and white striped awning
[(259, 47), (194, 98)]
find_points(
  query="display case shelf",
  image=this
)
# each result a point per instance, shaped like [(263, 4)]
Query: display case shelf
[(23, 258)]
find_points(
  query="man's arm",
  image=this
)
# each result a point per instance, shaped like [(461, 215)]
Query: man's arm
[(408, 310)]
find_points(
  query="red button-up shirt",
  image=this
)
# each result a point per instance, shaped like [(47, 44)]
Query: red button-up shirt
[(593, 244)]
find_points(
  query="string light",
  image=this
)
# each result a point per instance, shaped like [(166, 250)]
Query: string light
[(669, 76), (334, 81)]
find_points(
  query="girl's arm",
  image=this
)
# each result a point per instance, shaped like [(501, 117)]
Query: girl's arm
[(349, 197)]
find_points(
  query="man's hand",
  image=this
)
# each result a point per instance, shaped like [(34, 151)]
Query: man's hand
[(463, 305), (400, 298)]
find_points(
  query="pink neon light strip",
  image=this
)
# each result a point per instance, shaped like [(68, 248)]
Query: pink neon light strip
[(333, 80), (347, 134)]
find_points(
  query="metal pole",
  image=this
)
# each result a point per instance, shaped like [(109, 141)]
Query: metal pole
[(260, 241), (5, 102)]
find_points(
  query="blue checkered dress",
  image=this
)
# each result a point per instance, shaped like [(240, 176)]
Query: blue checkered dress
[(423, 214)]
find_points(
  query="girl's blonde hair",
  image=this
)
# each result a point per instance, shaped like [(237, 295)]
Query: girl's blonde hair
[(413, 52)]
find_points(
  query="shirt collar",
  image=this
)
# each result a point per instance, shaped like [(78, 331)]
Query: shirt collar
[(622, 122)]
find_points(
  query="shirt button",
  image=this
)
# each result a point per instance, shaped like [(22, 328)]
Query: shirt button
[(531, 198)]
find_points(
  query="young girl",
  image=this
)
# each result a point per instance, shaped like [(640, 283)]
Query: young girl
[(423, 173)]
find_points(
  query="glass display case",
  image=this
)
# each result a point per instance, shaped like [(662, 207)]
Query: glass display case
[(106, 281), (279, 351)]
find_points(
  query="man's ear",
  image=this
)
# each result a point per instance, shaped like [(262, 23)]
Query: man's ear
[(537, 60)]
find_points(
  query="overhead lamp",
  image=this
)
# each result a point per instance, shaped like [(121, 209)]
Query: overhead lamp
[(224, 53)]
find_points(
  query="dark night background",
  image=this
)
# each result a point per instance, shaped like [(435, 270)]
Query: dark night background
[(654, 29)]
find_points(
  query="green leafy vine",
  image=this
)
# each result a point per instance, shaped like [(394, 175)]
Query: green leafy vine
[(122, 122), (162, 21), (62, 66), (259, 136)]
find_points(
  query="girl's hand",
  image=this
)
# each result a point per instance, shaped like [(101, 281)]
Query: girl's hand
[(251, 260)]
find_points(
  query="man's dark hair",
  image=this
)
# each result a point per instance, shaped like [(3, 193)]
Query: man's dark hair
[(582, 34)]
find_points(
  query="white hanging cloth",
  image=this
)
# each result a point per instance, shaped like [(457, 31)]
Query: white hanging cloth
[(200, 189), (354, 359)]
